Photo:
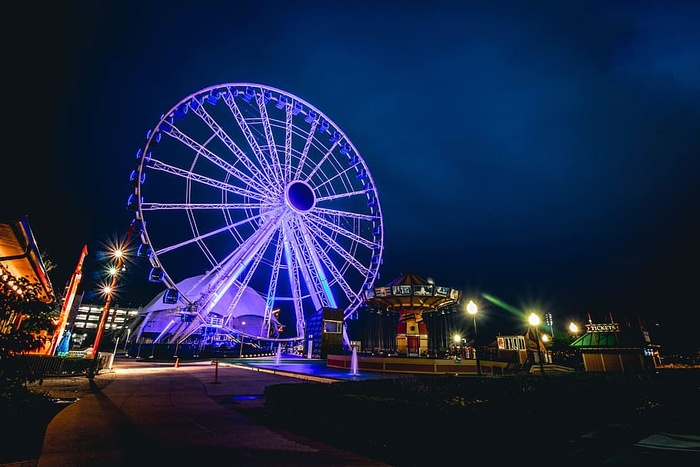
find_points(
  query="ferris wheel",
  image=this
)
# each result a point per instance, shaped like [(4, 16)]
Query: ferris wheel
[(256, 190)]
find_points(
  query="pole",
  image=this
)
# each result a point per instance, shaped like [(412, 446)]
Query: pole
[(100, 331), (111, 359), (108, 302), (539, 350), (476, 348), (126, 342)]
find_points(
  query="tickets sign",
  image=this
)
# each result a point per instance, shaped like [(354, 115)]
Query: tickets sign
[(606, 327)]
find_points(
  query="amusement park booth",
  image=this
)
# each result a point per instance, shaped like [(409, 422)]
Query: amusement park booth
[(522, 349), (610, 348), (325, 332)]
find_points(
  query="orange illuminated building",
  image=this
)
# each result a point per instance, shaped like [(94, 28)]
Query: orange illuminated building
[(20, 257)]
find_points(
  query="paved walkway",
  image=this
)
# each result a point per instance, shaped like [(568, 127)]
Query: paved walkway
[(148, 413)]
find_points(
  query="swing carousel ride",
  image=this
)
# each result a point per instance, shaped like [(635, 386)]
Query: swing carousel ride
[(411, 296)]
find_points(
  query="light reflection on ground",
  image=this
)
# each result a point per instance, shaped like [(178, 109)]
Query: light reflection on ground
[(311, 367)]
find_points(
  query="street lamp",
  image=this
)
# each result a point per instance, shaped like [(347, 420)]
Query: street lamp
[(457, 339), (472, 309), (240, 355), (534, 321), (573, 327), (108, 290)]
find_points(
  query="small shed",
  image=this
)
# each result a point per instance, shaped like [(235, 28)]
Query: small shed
[(608, 347)]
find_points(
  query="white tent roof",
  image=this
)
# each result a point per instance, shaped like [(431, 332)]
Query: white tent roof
[(161, 317)]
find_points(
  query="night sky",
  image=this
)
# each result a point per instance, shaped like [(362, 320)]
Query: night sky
[(546, 153)]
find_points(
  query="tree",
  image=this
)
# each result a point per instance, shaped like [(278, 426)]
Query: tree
[(24, 323)]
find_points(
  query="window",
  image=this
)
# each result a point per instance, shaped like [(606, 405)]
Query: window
[(334, 327)]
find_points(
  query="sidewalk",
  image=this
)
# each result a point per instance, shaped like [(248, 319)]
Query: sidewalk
[(146, 412)]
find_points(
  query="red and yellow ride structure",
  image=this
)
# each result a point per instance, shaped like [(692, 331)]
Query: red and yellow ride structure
[(411, 296)]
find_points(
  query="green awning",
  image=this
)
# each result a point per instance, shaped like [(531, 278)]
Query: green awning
[(610, 340)]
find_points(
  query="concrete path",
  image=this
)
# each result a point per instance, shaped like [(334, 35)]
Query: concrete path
[(156, 414)]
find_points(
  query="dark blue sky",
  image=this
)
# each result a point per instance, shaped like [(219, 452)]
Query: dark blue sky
[(546, 153)]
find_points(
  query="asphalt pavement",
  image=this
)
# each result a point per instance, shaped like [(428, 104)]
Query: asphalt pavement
[(144, 412)]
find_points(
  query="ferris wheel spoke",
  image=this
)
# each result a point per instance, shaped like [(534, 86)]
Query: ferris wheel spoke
[(198, 206), (294, 281), (188, 175), (317, 165), (347, 257), (350, 235), (271, 147), (310, 269), (272, 286), (298, 270), (319, 296), (228, 271), (250, 138), (330, 266), (196, 232), (329, 181), (305, 150), (344, 175), (211, 233), (346, 214), (341, 195), (288, 129), (246, 280), (198, 148)]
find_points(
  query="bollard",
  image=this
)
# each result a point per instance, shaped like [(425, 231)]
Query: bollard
[(177, 362), (216, 371)]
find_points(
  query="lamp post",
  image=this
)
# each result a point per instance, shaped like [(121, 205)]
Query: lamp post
[(472, 309), (118, 254), (240, 355), (573, 328), (534, 321), (108, 291)]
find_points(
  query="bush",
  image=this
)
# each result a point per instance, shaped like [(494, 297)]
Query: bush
[(427, 420)]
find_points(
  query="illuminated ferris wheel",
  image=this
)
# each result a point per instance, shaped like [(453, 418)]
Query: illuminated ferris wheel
[(256, 190)]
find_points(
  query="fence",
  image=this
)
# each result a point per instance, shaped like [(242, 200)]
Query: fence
[(50, 366)]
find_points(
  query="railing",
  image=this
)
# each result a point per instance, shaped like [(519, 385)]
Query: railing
[(50, 366)]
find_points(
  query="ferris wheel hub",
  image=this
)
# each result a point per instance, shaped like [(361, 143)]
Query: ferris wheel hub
[(300, 196)]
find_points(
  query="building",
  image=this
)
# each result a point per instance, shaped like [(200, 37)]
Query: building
[(20, 257), (608, 347), (84, 318)]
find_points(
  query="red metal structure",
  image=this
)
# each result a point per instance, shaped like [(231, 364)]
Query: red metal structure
[(71, 290)]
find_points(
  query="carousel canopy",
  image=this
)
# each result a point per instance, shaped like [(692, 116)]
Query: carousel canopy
[(412, 293)]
